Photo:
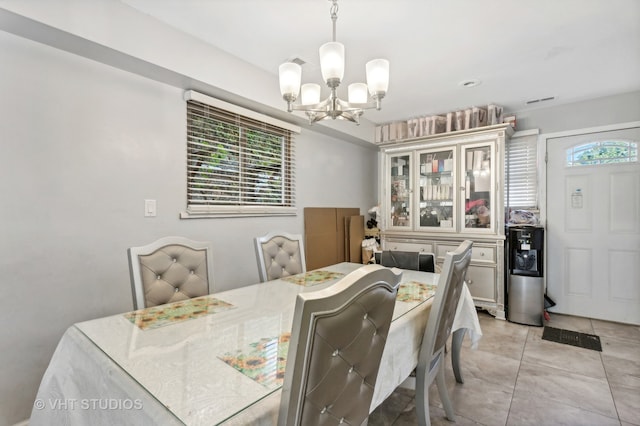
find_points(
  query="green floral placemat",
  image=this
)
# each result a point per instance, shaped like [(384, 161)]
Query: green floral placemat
[(413, 291), (159, 316), (311, 278), (263, 361)]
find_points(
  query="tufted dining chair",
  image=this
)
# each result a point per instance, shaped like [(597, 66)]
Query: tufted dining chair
[(279, 254), (336, 345), (169, 270), (438, 330), (416, 261)]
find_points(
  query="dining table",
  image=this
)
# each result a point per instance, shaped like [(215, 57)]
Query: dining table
[(217, 359)]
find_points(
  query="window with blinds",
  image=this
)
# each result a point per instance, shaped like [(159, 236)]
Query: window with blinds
[(521, 170), (237, 165)]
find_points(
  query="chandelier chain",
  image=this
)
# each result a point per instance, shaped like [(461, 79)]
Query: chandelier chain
[(334, 17)]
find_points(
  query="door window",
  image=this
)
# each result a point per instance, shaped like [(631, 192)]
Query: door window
[(602, 152)]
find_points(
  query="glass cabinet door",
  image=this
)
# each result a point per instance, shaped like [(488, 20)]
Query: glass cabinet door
[(479, 187), (400, 203), (437, 190)]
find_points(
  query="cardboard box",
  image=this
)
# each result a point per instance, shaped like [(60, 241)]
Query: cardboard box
[(325, 238)]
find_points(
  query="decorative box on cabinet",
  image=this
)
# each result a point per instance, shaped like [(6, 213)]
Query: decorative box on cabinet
[(438, 191)]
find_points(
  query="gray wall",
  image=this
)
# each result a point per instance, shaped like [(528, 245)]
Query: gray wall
[(603, 111), (82, 145)]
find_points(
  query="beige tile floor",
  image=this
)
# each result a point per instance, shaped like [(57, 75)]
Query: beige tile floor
[(516, 378)]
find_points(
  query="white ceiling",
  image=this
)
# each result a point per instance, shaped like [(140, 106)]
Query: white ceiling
[(520, 50)]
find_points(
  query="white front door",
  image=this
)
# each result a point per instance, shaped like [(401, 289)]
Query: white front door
[(593, 230)]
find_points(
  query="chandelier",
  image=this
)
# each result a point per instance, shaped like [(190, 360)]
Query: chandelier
[(332, 67)]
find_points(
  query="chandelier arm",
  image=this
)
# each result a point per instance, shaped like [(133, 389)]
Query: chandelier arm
[(353, 106), (353, 117), (333, 103), (319, 107), (314, 118)]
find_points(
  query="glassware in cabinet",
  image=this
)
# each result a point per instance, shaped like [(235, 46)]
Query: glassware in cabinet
[(400, 180), (479, 183), (437, 183)]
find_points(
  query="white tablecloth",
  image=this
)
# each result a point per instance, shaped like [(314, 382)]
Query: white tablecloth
[(88, 384), (467, 317), (83, 386)]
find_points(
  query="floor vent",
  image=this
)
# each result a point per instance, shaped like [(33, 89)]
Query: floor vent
[(573, 338)]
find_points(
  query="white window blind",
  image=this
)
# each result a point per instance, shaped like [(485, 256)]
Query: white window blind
[(522, 173), (237, 165)]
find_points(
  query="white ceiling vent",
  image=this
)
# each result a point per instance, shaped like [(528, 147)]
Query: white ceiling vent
[(298, 61), (470, 83), (535, 101)]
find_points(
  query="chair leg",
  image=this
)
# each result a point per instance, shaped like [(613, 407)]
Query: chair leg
[(444, 394), (456, 346), (422, 409), (422, 396)]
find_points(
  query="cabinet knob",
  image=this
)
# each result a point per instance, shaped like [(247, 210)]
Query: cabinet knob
[(481, 253), (469, 282)]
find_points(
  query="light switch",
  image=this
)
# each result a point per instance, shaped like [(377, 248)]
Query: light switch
[(150, 208)]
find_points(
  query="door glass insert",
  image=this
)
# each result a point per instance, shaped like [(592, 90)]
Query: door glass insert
[(400, 191), (477, 187), (436, 189), (602, 152)]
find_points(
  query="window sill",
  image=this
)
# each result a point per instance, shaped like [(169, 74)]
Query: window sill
[(233, 211)]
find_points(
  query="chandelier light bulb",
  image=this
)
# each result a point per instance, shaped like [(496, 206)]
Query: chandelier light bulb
[(290, 78), (378, 76), (358, 93), (332, 61), (310, 94)]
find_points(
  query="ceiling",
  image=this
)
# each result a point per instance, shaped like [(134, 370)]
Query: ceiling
[(519, 50)]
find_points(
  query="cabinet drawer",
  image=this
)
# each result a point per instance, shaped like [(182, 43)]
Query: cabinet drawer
[(444, 248), (482, 282), (483, 254), (404, 246)]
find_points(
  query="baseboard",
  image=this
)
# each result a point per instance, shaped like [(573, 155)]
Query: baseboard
[(409, 383)]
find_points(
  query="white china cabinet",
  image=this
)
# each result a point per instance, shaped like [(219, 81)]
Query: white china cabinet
[(440, 190)]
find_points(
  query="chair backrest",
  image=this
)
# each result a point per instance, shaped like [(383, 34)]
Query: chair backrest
[(279, 254), (336, 345), (169, 270), (416, 261), (445, 302)]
